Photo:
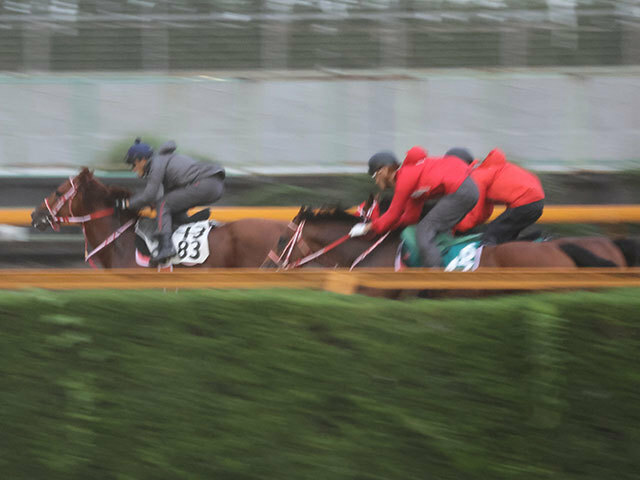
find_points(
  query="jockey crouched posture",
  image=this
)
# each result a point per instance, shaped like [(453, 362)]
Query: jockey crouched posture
[(418, 179), (185, 183), (502, 182)]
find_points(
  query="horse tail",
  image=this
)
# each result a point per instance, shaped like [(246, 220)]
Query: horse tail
[(583, 257), (630, 248)]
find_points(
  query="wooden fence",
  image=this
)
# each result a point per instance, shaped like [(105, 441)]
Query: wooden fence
[(335, 280)]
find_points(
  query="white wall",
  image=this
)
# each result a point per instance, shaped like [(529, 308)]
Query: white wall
[(544, 119)]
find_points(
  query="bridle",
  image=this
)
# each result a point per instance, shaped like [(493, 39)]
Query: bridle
[(283, 261), (56, 220)]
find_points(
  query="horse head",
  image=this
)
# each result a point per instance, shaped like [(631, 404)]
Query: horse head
[(324, 225), (321, 236), (74, 201)]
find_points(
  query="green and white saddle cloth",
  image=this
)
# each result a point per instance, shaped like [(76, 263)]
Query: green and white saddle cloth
[(458, 253)]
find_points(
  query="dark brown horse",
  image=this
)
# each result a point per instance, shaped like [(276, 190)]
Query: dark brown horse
[(330, 227), (85, 200)]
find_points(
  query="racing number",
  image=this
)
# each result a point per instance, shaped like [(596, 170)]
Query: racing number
[(465, 259), (190, 248)]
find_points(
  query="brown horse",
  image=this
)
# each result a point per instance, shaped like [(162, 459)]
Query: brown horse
[(85, 200), (328, 227)]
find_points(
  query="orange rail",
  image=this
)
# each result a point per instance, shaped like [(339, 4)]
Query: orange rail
[(552, 214)]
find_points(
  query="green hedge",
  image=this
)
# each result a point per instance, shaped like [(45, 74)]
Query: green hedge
[(311, 385)]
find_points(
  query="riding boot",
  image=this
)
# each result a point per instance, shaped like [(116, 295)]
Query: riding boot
[(166, 249)]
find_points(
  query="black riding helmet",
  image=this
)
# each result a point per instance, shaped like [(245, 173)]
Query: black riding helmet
[(138, 150), (382, 159), (462, 153)]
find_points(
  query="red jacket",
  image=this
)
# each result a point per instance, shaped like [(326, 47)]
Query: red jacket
[(417, 180), (502, 182), (506, 182)]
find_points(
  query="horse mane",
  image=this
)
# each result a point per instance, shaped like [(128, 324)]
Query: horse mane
[(335, 213), (96, 191)]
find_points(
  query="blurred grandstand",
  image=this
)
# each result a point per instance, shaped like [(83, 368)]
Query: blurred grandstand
[(179, 35)]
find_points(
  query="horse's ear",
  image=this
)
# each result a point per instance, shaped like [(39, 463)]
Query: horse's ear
[(85, 175), (300, 215), (369, 201)]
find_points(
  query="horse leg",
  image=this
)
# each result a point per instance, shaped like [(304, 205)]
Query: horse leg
[(600, 246), (630, 248), (525, 255)]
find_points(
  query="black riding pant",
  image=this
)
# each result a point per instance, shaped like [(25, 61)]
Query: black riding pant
[(201, 192), (507, 226)]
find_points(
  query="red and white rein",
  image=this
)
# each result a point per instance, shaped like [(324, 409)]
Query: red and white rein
[(56, 220), (297, 236)]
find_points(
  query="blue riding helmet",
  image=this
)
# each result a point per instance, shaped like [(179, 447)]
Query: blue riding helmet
[(138, 150)]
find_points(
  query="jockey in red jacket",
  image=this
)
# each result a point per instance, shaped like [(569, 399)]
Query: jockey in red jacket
[(418, 179), (505, 183)]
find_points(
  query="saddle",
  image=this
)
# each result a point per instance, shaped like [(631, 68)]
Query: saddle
[(458, 253), (190, 236)]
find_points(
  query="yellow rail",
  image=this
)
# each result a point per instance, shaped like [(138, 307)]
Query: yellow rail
[(336, 280), (552, 214)]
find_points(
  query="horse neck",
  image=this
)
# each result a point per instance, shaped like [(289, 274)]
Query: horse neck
[(120, 252), (322, 233)]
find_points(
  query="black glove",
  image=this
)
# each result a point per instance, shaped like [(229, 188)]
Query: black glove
[(121, 204)]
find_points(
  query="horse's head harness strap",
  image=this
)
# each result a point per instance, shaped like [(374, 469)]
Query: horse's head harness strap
[(55, 220)]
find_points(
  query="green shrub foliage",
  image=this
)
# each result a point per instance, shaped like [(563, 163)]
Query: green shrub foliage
[(311, 385)]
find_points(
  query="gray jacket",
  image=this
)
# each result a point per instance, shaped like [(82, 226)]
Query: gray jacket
[(172, 171)]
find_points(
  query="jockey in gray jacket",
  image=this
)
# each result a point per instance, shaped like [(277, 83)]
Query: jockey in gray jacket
[(175, 183)]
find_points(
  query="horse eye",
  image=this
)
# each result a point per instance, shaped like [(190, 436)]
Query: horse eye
[(58, 194)]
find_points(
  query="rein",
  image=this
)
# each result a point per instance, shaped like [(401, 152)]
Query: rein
[(297, 238), (55, 221), (368, 251), (322, 251)]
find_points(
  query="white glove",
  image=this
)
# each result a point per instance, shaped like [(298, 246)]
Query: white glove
[(359, 229)]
